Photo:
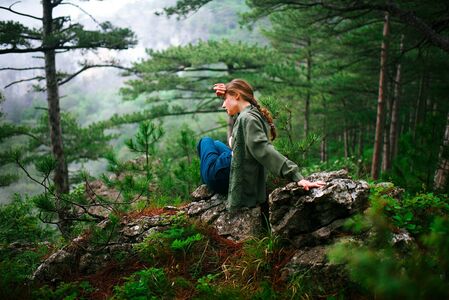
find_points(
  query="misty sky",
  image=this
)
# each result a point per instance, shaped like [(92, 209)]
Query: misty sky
[(156, 32)]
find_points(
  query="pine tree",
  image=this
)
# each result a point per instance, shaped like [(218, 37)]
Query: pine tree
[(57, 34), (145, 141)]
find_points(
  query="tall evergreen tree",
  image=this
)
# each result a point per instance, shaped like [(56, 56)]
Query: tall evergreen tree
[(441, 179), (381, 99), (57, 34)]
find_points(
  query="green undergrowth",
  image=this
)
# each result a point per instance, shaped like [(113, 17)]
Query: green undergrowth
[(189, 260), (405, 250), (24, 243)]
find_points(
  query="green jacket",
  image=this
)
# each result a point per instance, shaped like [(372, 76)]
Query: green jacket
[(252, 155)]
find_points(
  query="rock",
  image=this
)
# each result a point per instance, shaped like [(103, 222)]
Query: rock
[(402, 238), (307, 218), (90, 264), (240, 225), (328, 176), (311, 265), (54, 268), (235, 225), (202, 192), (132, 229), (96, 189), (81, 256), (216, 204)]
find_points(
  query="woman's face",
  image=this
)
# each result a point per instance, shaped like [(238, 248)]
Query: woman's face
[(231, 104)]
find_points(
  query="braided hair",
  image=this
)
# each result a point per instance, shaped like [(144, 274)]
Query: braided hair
[(245, 90)]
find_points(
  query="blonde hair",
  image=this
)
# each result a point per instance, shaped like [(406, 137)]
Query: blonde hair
[(245, 90)]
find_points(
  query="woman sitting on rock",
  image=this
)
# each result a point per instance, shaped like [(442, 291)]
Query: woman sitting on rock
[(242, 169)]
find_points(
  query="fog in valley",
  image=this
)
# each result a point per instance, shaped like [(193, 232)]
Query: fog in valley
[(94, 95)]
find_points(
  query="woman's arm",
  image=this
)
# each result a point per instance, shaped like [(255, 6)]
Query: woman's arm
[(264, 152)]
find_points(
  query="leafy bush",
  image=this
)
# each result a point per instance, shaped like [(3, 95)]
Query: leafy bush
[(179, 173), (20, 226), (179, 238), (354, 166), (16, 270), (66, 291), (145, 284), (414, 271), (413, 213), (204, 283), (20, 223)]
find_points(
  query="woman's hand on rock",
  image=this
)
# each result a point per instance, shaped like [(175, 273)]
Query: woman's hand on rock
[(309, 185)]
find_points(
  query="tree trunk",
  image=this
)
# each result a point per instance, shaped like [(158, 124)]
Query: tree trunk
[(386, 151), (353, 140), (386, 147), (420, 103), (441, 179), (346, 141), (323, 148), (360, 142), (380, 100), (309, 83), (394, 126), (61, 175)]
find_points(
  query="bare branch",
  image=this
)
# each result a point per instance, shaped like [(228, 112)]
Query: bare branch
[(18, 13), (32, 178), (213, 129), (80, 8), (21, 69), (30, 37), (46, 48), (70, 77), (39, 78)]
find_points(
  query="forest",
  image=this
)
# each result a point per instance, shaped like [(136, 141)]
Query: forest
[(360, 86)]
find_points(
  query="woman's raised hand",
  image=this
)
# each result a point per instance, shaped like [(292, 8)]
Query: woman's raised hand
[(308, 184), (220, 89)]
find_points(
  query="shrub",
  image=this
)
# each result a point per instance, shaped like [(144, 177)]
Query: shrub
[(387, 271), (145, 284), (66, 291)]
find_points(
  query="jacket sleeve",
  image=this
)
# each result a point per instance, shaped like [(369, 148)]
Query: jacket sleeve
[(264, 152)]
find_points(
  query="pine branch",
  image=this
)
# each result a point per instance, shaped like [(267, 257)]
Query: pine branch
[(39, 78), (80, 8), (21, 69), (47, 190), (47, 48), (407, 17), (18, 13), (87, 67)]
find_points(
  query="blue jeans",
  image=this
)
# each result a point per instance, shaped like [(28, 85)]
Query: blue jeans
[(215, 164)]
